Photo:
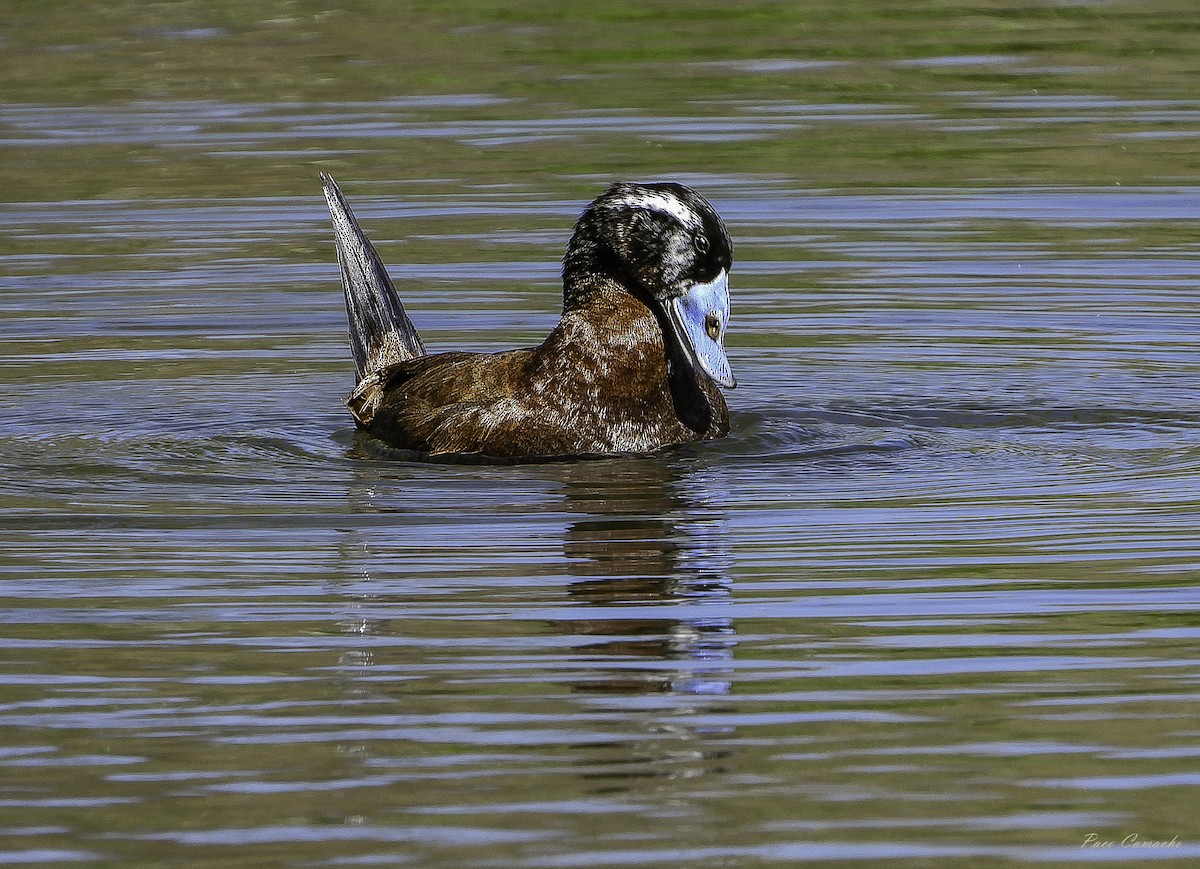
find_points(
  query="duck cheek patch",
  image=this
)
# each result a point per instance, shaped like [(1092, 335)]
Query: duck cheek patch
[(700, 317)]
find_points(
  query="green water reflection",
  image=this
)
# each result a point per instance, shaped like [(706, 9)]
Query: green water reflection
[(947, 93)]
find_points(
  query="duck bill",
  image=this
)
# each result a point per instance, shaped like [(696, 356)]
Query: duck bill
[(698, 320)]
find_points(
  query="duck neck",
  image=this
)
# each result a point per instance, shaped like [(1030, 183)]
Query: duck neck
[(592, 269), (583, 291), (604, 321)]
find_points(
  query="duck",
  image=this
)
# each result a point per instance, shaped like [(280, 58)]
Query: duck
[(635, 363)]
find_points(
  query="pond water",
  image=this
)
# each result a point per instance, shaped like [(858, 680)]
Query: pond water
[(932, 603)]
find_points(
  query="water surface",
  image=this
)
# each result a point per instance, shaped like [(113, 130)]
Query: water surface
[(933, 602)]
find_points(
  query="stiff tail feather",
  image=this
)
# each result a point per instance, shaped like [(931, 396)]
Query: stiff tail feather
[(380, 332)]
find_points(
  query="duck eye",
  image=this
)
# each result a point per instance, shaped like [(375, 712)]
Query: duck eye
[(700, 243), (712, 326)]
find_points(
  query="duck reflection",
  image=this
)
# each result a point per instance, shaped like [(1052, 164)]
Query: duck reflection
[(644, 547), (648, 553)]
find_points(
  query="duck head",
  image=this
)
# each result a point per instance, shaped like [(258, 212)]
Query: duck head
[(665, 244)]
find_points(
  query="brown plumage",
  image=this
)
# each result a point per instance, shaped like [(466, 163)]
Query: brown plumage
[(628, 368)]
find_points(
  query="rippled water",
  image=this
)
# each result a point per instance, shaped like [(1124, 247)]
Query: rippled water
[(933, 602)]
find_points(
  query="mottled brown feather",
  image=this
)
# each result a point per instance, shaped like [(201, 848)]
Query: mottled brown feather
[(597, 384)]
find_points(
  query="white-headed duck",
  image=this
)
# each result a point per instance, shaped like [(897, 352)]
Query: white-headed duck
[(634, 364)]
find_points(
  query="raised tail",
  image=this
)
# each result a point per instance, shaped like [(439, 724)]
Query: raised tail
[(380, 331)]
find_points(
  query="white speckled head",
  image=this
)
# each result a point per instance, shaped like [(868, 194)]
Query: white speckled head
[(663, 201)]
